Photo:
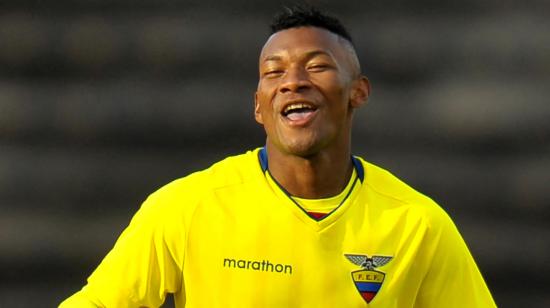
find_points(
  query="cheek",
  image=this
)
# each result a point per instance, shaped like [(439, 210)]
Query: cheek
[(264, 95), (264, 106), (338, 97), (264, 111), (333, 85)]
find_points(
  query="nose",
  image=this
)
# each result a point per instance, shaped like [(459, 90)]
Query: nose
[(296, 79)]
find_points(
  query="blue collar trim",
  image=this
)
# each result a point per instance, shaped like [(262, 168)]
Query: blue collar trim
[(262, 155)]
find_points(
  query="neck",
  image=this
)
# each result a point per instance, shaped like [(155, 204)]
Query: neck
[(321, 175)]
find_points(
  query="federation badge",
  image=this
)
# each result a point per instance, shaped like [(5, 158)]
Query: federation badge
[(368, 280)]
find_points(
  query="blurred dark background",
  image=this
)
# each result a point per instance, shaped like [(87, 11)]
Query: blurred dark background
[(102, 102)]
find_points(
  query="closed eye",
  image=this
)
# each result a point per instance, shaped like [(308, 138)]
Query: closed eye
[(318, 67), (273, 73)]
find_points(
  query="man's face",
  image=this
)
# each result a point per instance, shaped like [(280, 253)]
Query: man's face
[(308, 87)]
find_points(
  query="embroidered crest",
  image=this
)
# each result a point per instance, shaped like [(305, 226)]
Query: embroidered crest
[(368, 280)]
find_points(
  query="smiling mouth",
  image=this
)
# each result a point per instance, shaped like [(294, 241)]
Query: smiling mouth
[(298, 111)]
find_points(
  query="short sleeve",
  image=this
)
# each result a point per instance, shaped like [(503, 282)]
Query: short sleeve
[(453, 278), (144, 265)]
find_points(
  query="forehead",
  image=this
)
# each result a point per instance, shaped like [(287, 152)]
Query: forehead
[(303, 40)]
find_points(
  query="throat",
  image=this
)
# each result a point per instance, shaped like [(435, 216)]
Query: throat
[(319, 208), (313, 185), (322, 175)]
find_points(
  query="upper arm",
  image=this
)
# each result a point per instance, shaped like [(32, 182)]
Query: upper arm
[(144, 265), (453, 278)]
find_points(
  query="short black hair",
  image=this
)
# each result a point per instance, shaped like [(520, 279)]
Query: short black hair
[(305, 15)]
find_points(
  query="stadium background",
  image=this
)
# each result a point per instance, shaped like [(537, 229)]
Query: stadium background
[(102, 102)]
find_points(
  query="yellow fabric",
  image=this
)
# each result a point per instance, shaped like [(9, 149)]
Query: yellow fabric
[(223, 238), (325, 205)]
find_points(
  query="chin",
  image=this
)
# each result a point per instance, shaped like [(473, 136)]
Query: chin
[(303, 148)]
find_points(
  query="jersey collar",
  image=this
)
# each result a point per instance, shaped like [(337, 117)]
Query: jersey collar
[(262, 155)]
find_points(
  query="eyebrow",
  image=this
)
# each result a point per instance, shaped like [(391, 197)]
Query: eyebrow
[(272, 58), (309, 54)]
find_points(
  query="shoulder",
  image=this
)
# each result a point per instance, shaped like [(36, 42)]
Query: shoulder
[(185, 192), (231, 170), (398, 195)]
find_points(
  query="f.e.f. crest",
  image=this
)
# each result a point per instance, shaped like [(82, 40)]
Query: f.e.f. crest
[(368, 281)]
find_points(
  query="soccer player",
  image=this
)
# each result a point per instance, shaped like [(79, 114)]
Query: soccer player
[(300, 222)]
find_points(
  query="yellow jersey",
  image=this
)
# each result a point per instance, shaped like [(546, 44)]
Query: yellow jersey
[(226, 237)]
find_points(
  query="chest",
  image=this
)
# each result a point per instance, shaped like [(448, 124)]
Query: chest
[(257, 250)]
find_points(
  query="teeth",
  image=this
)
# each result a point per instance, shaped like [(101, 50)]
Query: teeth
[(291, 107)]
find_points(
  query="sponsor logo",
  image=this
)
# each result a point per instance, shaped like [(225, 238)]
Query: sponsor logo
[(262, 266), (368, 281)]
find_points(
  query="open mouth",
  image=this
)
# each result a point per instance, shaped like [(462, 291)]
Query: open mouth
[(298, 111)]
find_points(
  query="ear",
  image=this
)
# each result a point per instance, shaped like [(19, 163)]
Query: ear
[(360, 92), (257, 113)]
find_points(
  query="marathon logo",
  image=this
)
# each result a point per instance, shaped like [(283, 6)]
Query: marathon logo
[(262, 266)]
